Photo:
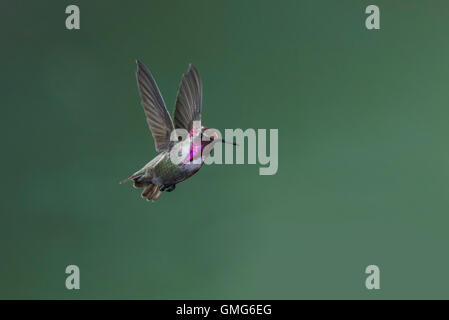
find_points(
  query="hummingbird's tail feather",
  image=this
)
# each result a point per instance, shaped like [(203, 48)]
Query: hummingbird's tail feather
[(151, 192), (126, 180), (138, 184), (133, 177), (157, 195)]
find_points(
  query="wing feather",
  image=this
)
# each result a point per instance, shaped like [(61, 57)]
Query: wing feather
[(189, 100), (158, 118)]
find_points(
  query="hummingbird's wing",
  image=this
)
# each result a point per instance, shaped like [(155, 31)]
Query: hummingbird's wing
[(188, 102), (158, 118)]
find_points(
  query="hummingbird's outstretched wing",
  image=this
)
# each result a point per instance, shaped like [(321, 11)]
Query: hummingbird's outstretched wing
[(158, 118), (188, 102)]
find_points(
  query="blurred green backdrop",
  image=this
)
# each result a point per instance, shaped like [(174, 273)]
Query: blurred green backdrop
[(363, 154)]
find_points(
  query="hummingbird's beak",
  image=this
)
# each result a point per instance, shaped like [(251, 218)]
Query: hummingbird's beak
[(224, 141)]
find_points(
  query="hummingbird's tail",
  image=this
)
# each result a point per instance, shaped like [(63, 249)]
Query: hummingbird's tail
[(150, 191)]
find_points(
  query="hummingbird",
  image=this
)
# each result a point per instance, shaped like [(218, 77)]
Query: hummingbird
[(162, 173)]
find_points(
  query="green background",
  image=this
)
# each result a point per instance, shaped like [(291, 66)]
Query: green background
[(363, 153)]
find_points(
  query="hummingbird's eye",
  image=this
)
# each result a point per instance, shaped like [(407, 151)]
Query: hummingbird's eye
[(212, 138)]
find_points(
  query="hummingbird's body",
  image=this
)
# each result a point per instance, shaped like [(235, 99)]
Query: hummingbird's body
[(163, 173)]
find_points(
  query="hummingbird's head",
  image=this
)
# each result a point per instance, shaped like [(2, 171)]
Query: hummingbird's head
[(210, 136)]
